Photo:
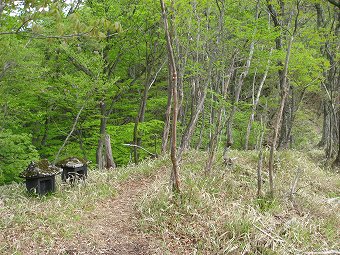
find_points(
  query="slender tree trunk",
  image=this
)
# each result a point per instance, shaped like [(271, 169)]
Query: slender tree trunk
[(2, 7), (337, 160), (278, 119), (109, 162), (69, 135), (260, 163), (141, 113), (166, 130), (255, 104), (102, 132), (81, 143), (192, 125), (140, 118), (243, 75), (322, 142), (46, 127), (175, 180), (104, 158), (214, 143), (295, 108), (199, 143), (238, 89), (218, 127)]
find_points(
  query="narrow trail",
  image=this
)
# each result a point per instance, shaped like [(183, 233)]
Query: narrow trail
[(112, 227)]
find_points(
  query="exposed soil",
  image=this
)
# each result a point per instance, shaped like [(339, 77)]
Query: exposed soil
[(112, 227)]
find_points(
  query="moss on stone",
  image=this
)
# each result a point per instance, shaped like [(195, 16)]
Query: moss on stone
[(72, 162), (41, 168)]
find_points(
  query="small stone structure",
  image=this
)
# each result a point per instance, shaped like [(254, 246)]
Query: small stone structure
[(73, 169), (40, 177)]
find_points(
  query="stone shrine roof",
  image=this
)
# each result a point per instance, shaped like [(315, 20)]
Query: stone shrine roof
[(72, 162), (38, 169)]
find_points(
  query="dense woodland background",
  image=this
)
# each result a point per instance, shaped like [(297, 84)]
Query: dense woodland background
[(92, 79)]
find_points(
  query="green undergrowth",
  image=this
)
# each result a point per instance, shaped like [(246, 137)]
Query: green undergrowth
[(220, 213), (26, 219)]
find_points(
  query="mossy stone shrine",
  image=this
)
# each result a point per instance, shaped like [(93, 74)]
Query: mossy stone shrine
[(73, 169), (40, 177)]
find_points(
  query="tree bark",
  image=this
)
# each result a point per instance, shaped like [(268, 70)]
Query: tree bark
[(102, 132), (175, 180), (255, 104), (260, 163), (192, 125), (69, 135), (337, 160), (141, 113), (109, 162), (166, 130), (243, 75), (2, 7), (140, 117), (104, 158), (279, 118)]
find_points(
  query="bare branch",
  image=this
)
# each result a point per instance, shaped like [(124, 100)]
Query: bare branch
[(81, 67), (69, 135), (2, 6), (140, 147), (42, 36), (331, 252), (334, 2)]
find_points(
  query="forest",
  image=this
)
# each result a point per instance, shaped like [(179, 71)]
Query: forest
[(199, 87)]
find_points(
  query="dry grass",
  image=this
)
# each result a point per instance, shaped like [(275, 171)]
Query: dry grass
[(220, 214), (56, 224), (215, 214)]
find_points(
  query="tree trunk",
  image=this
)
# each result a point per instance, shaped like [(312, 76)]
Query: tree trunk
[(141, 113), (81, 144), (109, 162), (46, 127), (175, 181), (166, 130), (260, 163), (214, 143), (199, 143), (243, 75), (218, 127), (192, 125), (322, 142), (255, 104), (279, 118), (2, 7), (337, 160), (140, 118), (69, 135), (104, 158)]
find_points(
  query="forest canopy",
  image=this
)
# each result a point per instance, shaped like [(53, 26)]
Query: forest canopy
[(91, 79)]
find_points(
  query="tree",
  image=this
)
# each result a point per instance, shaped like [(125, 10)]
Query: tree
[(175, 181)]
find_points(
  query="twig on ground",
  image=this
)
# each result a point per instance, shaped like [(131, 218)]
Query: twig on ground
[(332, 252), (267, 234)]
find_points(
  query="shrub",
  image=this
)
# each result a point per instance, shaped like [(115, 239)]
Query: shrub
[(16, 151)]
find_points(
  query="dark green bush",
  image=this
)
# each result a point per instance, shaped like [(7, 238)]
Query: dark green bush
[(16, 152)]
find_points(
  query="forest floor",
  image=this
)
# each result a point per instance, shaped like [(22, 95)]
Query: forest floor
[(99, 217), (131, 210), (112, 226)]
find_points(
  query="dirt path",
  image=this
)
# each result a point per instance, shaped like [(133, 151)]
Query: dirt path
[(112, 226)]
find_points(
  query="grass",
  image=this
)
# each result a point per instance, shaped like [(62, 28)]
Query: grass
[(27, 220), (214, 214), (220, 213)]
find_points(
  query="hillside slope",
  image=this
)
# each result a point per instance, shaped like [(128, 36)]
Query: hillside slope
[(95, 217), (220, 213), (131, 211)]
